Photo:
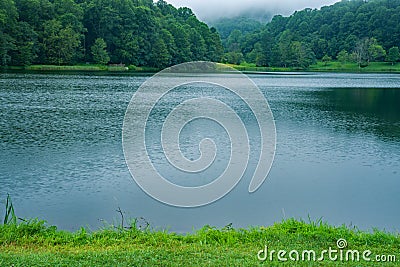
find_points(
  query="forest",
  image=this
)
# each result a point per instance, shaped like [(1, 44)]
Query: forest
[(156, 34), (351, 30), (130, 32)]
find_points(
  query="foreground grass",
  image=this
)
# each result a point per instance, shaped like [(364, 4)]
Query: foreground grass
[(34, 244)]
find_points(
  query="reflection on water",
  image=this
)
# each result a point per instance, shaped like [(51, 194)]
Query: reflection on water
[(371, 110), (338, 151)]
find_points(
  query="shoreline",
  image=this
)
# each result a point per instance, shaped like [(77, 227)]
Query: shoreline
[(78, 68), (330, 67)]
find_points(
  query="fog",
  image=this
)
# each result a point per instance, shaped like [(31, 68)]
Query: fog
[(209, 10)]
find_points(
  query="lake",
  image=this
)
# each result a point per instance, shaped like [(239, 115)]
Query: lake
[(337, 157)]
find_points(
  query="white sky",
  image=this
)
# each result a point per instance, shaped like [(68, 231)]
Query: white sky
[(212, 9)]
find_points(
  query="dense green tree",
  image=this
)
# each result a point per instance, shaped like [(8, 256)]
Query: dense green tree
[(349, 43), (60, 43), (25, 51), (160, 55), (234, 42), (343, 56), (263, 50), (69, 13), (286, 49), (197, 45), (376, 52), (7, 44), (393, 55), (215, 49), (169, 42), (320, 47), (302, 55), (244, 25), (35, 12), (326, 59), (233, 58), (166, 9), (99, 52), (181, 37), (8, 20), (257, 55)]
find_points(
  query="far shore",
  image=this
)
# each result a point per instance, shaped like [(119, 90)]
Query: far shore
[(333, 66)]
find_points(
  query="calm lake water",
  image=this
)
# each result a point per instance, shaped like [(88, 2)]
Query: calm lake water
[(337, 158)]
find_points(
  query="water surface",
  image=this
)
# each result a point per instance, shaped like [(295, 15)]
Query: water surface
[(337, 158)]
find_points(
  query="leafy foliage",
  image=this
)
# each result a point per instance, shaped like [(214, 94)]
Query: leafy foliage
[(131, 32), (99, 52), (350, 30), (143, 33), (393, 55)]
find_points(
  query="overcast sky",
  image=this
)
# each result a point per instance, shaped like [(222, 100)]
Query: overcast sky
[(211, 9)]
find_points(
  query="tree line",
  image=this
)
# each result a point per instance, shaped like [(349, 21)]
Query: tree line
[(351, 30), (144, 33), (131, 32)]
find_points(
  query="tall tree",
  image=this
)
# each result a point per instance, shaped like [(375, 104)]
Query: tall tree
[(376, 51), (25, 51), (181, 38), (302, 55), (215, 49), (99, 52), (393, 55), (343, 56), (197, 45), (160, 57), (60, 42), (326, 59), (285, 48), (8, 20)]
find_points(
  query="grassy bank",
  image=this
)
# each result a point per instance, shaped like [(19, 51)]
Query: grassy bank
[(333, 66), (80, 68), (336, 66), (34, 244)]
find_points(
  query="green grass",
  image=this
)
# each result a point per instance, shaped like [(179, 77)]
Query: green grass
[(247, 67), (66, 68), (85, 67), (32, 243), (335, 66), (332, 66)]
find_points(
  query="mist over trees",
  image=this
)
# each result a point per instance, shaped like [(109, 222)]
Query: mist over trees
[(137, 32), (351, 30)]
